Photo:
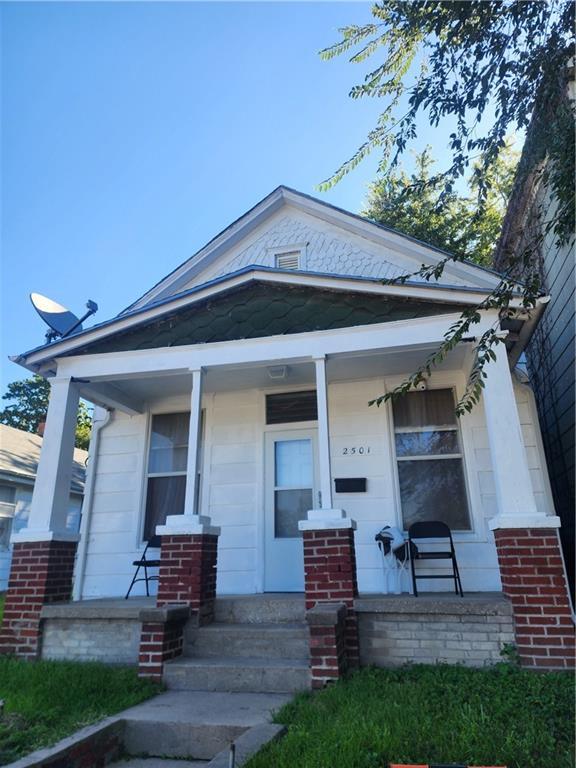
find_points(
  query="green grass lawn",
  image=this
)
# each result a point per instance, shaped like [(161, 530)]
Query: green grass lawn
[(420, 714), (47, 700)]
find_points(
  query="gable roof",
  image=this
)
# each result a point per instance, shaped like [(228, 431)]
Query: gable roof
[(20, 454), (412, 252)]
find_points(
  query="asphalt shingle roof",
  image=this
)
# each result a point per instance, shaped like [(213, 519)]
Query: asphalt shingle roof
[(259, 309)]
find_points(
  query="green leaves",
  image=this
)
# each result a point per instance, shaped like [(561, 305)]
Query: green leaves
[(491, 69), (30, 405)]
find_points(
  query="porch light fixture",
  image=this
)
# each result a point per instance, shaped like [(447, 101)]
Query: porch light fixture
[(277, 371)]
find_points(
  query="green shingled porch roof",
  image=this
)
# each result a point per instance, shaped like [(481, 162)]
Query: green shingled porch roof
[(260, 309)]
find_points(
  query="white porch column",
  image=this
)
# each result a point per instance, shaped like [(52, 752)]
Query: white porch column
[(194, 438), (323, 434), (51, 496), (514, 495), (191, 522)]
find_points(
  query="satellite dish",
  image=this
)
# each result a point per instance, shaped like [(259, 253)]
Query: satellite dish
[(62, 322)]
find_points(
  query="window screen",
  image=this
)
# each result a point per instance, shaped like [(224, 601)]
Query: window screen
[(291, 406), (430, 459)]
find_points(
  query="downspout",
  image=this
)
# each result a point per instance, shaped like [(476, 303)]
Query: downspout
[(97, 426)]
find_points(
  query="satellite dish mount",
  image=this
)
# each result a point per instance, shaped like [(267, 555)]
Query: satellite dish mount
[(60, 320)]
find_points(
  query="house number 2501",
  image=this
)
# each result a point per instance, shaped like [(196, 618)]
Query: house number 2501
[(356, 450)]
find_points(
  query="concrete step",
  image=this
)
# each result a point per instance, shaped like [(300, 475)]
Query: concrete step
[(267, 608), (271, 641), (237, 674), (192, 725)]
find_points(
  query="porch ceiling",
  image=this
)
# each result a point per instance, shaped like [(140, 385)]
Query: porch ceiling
[(233, 378)]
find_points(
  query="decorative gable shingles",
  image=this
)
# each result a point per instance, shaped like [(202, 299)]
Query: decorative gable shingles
[(259, 310), (328, 250)]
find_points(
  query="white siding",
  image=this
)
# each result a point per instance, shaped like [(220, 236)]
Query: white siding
[(232, 488), (232, 492), (116, 517)]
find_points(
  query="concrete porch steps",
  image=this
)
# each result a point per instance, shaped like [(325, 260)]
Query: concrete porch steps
[(266, 641), (267, 608), (238, 674), (257, 644)]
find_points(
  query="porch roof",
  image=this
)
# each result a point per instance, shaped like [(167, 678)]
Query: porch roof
[(452, 297), (258, 310)]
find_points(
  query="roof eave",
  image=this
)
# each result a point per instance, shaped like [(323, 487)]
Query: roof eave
[(34, 359)]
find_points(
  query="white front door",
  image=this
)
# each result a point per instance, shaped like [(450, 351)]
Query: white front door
[(290, 491)]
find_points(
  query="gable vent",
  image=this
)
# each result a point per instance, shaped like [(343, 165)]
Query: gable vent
[(288, 260)]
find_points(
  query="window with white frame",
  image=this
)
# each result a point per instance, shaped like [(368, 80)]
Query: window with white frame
[(166, 476), (430, 459), (7, 508)]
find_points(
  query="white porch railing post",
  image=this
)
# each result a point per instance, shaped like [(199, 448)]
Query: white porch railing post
[(191, 500), (514, 495), (50, 499), (323, 434)]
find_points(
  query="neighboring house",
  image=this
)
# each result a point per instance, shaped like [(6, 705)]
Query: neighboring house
[(234, 405), (550, 352), (19, 456)]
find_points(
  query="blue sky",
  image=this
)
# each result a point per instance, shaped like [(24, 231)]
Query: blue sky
[(132, 133)]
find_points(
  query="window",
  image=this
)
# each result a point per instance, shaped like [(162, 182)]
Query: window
[(291, 406), (7, 507), (430, 459), (166, 484)]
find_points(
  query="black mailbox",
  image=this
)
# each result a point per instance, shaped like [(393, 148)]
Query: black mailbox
[(350, 484)]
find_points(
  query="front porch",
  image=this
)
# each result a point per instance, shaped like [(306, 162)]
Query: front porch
[(247, 497), (253, 632)]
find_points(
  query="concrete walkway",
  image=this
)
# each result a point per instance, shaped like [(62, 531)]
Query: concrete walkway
[(193, 724)]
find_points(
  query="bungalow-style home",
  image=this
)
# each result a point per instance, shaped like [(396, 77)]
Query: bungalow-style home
[(19, 455), (234, 424)]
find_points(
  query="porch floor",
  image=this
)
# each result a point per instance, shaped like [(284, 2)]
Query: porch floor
[(427, 602)]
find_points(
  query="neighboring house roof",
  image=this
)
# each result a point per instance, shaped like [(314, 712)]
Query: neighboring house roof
[(20, 453)]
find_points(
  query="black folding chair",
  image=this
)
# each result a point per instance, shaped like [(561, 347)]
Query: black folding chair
[(433, 529), (154, 543)]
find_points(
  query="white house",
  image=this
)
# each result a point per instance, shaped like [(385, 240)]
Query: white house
[(19, 455), (237, 389)]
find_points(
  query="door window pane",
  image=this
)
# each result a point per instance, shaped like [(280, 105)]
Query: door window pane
[(293, 463), (290, 507), (433, 490)]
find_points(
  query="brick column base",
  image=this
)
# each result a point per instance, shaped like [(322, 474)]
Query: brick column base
[(330, 575), (533, 577), (161, 638), (41, 573), (188, 573), (327, 625)]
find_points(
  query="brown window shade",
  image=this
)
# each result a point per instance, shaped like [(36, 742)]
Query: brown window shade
[(421, 409), (291, 406)]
